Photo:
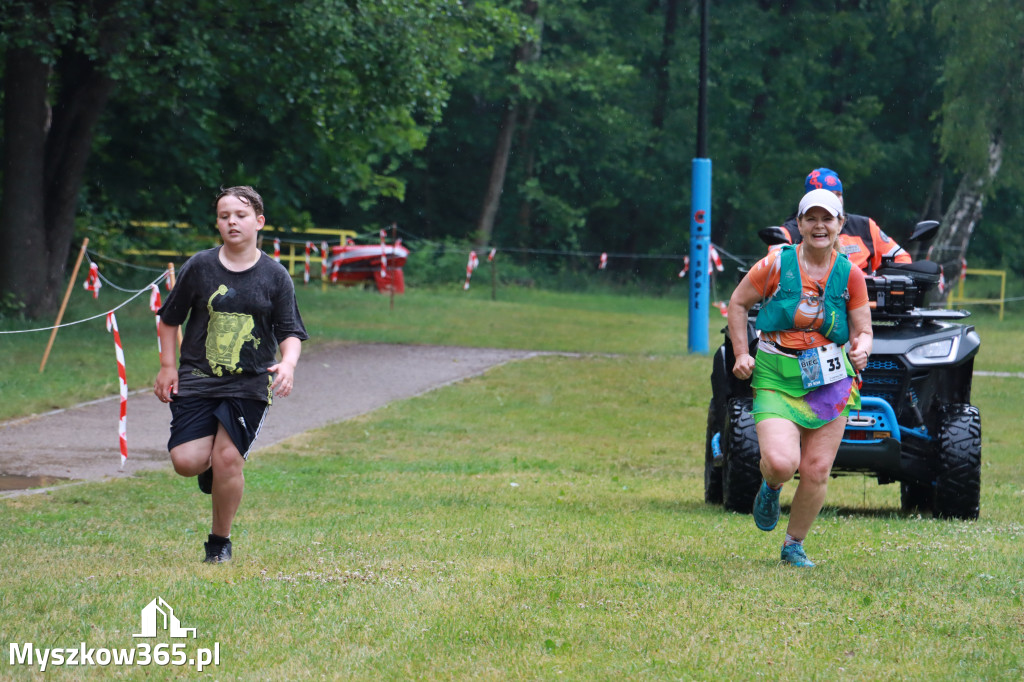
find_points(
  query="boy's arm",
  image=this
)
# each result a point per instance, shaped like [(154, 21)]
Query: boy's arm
[(167, 378), (284, 370)]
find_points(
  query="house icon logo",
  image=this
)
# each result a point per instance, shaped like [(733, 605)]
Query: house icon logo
[(159, 614)]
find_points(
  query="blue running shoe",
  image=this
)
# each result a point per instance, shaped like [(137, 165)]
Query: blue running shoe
[(794, 556), (766, 507)]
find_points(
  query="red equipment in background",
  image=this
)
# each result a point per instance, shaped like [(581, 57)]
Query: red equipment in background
[(361, 263)]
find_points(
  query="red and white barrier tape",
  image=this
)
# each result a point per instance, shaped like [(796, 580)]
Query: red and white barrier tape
[(383, 256), (323, 261), (715, 259), (277, 249), (491, 255), (92, 281), (604, 262), (154, 306), (305, 272), (471, 265), (122, 424)]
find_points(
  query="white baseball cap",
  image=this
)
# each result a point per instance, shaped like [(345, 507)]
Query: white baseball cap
[(823, 198)]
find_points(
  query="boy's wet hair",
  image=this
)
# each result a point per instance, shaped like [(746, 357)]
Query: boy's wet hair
[(245, 193)]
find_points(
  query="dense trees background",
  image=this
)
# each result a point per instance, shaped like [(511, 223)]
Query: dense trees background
[(563, 125)]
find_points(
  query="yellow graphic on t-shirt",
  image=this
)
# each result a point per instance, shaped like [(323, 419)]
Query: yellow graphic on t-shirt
[(225, 336)]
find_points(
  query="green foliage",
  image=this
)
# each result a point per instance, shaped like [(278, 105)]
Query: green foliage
[(983, 84), (441, 265), (999, 241), (317, 103), (592, 172), (437, 263), (350, 112), (11, 308)]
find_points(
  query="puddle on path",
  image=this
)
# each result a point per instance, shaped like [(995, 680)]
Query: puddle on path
[(25, 482)]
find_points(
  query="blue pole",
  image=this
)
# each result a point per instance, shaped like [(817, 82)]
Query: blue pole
[(700, 246)]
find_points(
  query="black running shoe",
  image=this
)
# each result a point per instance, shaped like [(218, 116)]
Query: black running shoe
[(205, 481), (216, 552)]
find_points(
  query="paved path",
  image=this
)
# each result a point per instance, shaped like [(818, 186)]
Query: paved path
[(332, 383)]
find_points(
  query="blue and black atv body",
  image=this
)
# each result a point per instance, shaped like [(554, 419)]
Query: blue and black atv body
[(916, 426)]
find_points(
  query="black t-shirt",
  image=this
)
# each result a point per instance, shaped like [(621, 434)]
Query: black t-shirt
[(235, 322)]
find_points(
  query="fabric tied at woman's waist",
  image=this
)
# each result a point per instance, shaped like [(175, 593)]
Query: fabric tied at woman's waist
[(781, 350)]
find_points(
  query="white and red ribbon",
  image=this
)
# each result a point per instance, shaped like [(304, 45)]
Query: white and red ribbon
[(92, 281), (715, 260), (383, 256), (471, 265), (122, 424), (305, 273), (604, 262), (723, 307), (323, 261), (491, 255), (963, 269), (277, 249), (154, 306), (154, 298)]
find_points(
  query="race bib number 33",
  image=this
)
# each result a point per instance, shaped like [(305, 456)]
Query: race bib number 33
[(822, 365)]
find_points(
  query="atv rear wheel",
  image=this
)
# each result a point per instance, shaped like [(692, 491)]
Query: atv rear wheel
[(712, 473), (741, 473), (958, 484)]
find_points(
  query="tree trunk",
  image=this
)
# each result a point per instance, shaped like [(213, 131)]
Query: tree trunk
[(529, 158), (24, 251), (963, 215), (526, 52), (496, 180), (659, 109), (661, 72), (44, 164), (76, 114)]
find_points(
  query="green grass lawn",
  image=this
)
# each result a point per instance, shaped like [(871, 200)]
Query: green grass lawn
[(541, 521)]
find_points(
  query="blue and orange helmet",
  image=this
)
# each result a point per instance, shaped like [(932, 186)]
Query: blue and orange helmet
[(823, 178)]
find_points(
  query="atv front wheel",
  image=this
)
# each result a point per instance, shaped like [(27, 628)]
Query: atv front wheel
[(741, 474), (958, 484)]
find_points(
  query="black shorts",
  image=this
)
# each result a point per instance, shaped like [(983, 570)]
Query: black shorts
[(193, 418)]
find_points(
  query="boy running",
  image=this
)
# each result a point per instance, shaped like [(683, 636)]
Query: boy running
[(240, 305)]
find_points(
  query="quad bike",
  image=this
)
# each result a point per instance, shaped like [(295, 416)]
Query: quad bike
[(916, 426)]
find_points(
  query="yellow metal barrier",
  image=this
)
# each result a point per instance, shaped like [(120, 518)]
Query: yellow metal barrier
[(293, 258), (956, 294)]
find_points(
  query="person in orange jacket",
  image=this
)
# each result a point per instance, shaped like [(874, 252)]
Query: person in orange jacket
[(861, 238)]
